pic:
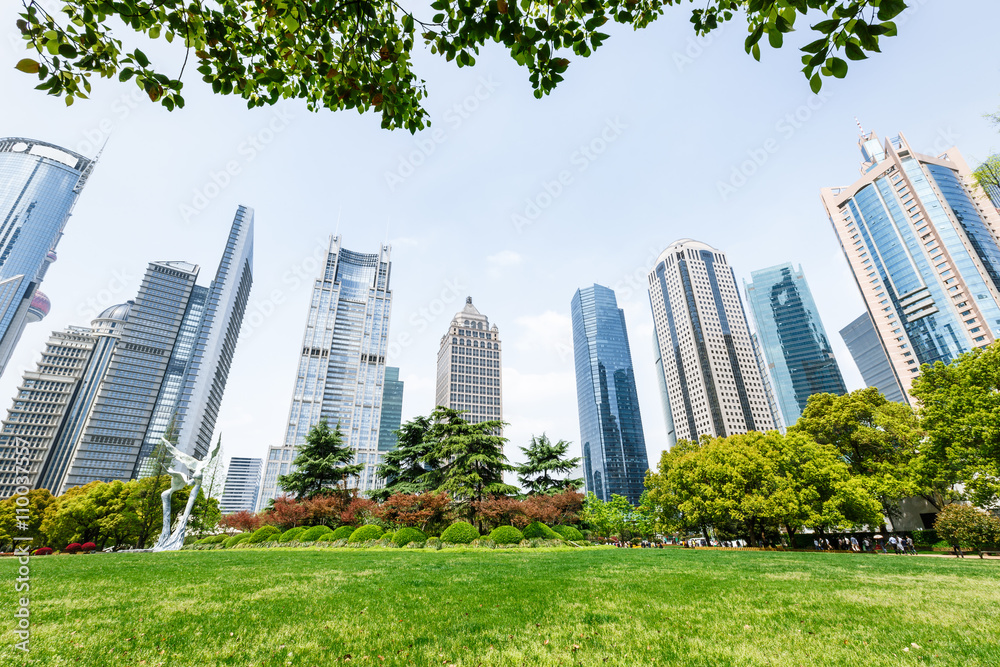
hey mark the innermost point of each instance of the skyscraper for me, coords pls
(713, 382)
(469, 367)
(792, 338)
(921, 240)
(341, 373)
(611, 437)
(242, 485)
(865, 347)
(169, 365)
(39, 185)
(772, 400)
(392, 410)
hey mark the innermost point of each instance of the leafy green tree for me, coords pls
(323, 463)
(960, 410)
(878, 439)
(968, 528)
(145, 504)
(359, 55)
(596, 515)
(546, 463)
(410, 466)
(24, 524)
(667, 489)
(472, 462)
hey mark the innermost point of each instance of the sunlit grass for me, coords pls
(523, 607)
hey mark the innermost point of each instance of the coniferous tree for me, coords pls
(545, 462)
(409, 468)
(323, 464)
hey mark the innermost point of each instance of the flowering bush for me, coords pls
(43, 551)
(73, 548)
(87, 547)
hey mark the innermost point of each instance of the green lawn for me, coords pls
(524, 607)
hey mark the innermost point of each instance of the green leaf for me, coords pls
(27, 65)
(854, 52)
(816, 83)
(141, 58)
(67, 51)
(838, 67)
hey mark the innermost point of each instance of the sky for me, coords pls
(516, 202)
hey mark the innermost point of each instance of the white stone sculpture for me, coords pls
(172, 541)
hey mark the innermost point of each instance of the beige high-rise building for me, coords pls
(922, 241)
(468, 368)
(710, 372)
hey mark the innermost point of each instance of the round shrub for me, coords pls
(218, 539)
(263, 534)
(506, 535)
(434, 543)
(387, 535)
(343, 533)
(569, 533)
(231, 542)
(73, 548)
(406, 535)
(538, 530)
(460, 532)
(43, 551)
(87, 547)
(365, 534)
(314, 533)
(291, 535)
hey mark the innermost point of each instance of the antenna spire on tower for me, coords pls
(860, 129)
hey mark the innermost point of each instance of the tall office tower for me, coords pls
(169, 365)
(341, 372)
(392, 410)
(792, 339)
(39, 185)
(469, 365)
(992, 169)
(921, 240)
(661, 380)
(765, 376)
(242, 485)
(41, 403)
(865, 347)
(713, 382)
(611, 437)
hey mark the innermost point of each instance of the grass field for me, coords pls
(523, 607)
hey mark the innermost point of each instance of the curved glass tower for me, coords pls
(39, 184)
(614, 448)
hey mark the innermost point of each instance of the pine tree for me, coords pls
(472, 462)
(322, 464)
(409, 468)
(544, 461)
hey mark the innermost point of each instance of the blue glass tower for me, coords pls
(39, 185)
(792, 338)
(614, 448)
(392, 410)
(866, 349)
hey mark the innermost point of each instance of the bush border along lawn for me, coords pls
(460, 532)
(365, 534)
(264, 534)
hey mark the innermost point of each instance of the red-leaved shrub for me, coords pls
(87, 547)
(426, 511)
(73, 548)
(43, 551)
(241, 522)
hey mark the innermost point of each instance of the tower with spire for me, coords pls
(469, 366)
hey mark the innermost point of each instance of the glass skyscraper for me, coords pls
(792, 338)
(242, 485)
(470, 367)
(714, 385)
(39, 185)
(865, 347)
(611, 436)
(341, 373)
(921, 240)
(392, 410)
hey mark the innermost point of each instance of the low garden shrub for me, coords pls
(343, 533)
(925, 538)
(434, 543)
(291, 535)
(406, 535)
(569, 533)
(314, 533)
(460, 532)
(365, 534)
(263, 534)
(388, 535)
(87, 547)
(415, 545)
(231, 542)
(538, 530)
(43, 551)
(506, 535)
(73, 548)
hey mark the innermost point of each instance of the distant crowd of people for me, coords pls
(898, 545)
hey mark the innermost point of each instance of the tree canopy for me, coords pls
(545, 466)
(406, 468)
(322, 464)
(358, 54)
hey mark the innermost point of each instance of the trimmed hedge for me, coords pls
(315, 533)
(231, 542)
(569, 533)
(213, 539)
(264, 534)
(343, 533)
(292, 534)
(460, 532)
(43, 551)
(365, 534)
(387, 535)
(73, 548)
(536, 530)
(506, 535)
(406, 535)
